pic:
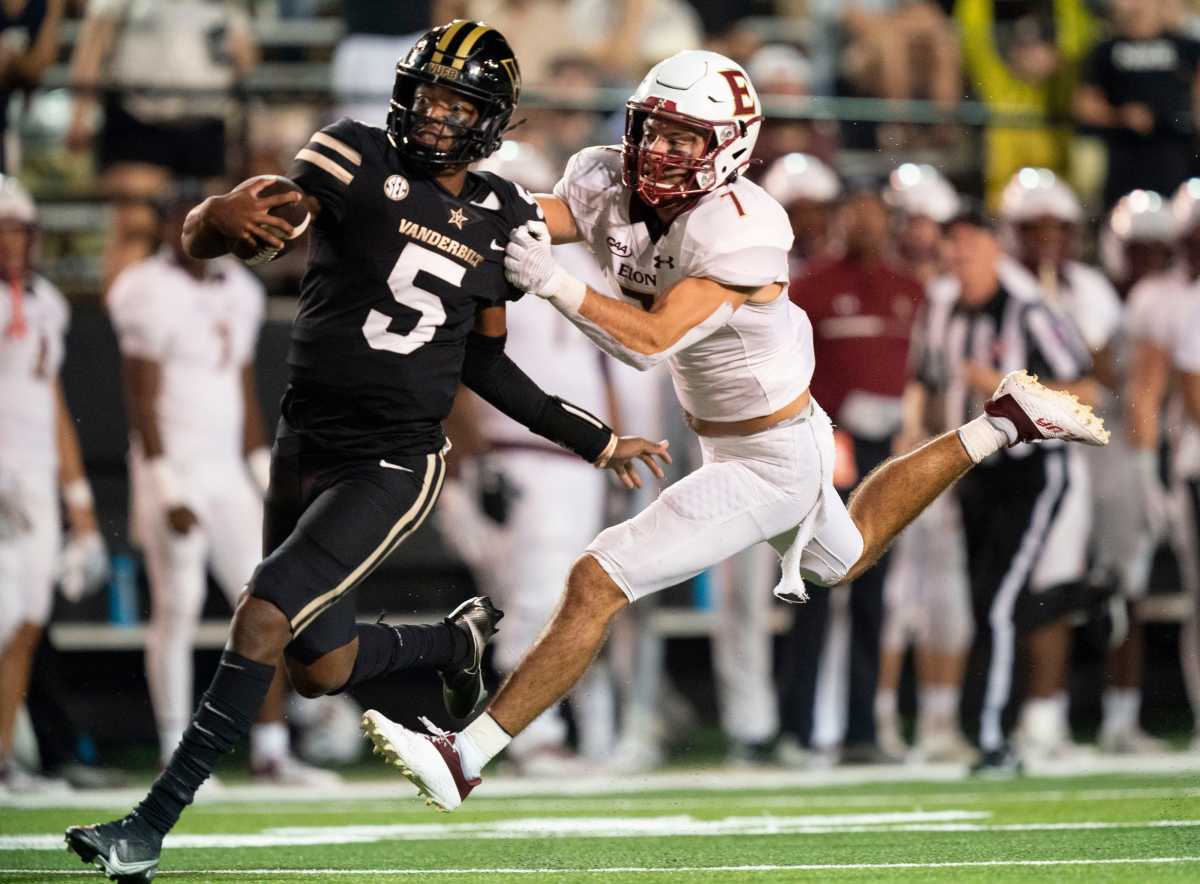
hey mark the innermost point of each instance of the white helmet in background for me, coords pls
(15, 202)
(1037, 193)
(1141, 216)
(921, 191)
(801, 176)
(703, 90)
(522, 163)
(1185, 206)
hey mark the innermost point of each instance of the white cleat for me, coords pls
(428, 761)
(1039, 413)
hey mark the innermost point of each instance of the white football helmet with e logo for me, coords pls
(704, 91)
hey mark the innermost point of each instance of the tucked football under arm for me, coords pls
(488, 371)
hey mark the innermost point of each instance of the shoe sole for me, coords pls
(89, 854)
(382, 746)
(1092, 430)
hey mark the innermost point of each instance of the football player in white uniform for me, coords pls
(699, 254)
(198, 466)
(927, 593)
(39, 458)
(1161, 308)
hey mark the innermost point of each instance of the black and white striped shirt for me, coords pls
(1016, 329)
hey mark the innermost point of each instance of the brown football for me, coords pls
(294, 213)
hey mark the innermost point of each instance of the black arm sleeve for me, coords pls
(499, 381)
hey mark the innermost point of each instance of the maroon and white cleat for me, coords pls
(1039, 413)
(429, 761)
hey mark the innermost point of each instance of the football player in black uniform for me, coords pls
(404, 296)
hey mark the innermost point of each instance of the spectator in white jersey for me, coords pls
(1160, 310)
(700, 256)
(39, 460)
(1022, 508)
(199, 464)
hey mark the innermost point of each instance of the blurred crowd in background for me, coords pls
(937, 160)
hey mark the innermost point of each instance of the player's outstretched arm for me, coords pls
(560, 223)
(488, 371)
(217, 224)
(689, 312)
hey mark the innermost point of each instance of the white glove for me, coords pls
(530, 266)
(1151, 493)
(84, 566)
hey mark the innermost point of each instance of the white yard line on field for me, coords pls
(708, 780)
(637, 870)
(957, 822)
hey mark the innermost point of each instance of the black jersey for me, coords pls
(397, 270)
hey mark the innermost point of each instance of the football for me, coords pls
(294, 213)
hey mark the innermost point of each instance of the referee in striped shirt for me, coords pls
(1025, 510)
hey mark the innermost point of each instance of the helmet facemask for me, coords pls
(471, 142)
(667, 179)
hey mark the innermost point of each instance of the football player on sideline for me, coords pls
(700, 254)
(39, 460)
(404, 295)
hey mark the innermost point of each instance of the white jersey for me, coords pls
(555, 355)
(1092, 303)
(761, 358)
(201, 332)
(1161, 308)
(32, 333)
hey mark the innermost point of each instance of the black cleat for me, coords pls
(125, 850)
(462, 687)
(998, 764)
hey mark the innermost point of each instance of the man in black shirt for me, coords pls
(1139, 88)
(404, 296)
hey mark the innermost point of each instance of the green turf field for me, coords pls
(1111, 828)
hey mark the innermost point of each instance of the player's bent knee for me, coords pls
(260, 630)
(590, 588)
(326, 675)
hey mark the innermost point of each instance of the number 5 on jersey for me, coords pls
(402, 281)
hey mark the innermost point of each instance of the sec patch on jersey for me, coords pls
(293, 213)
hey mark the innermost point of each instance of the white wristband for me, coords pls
(259, 463)
(166, 483)
(566, 291)
(77, 494)
(606, 455)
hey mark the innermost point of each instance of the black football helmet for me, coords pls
(473, 60)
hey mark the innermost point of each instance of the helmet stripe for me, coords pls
(464, 47)
(444, 43)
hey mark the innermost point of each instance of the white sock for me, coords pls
(1120, 709)
(479, 742)
(885, 704)
(985, 435)
(268, 743)
(937, 709)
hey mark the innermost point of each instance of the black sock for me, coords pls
(383, 649)
(224, 716)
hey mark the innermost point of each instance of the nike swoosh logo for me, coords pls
(496, 247)
(392, 466)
